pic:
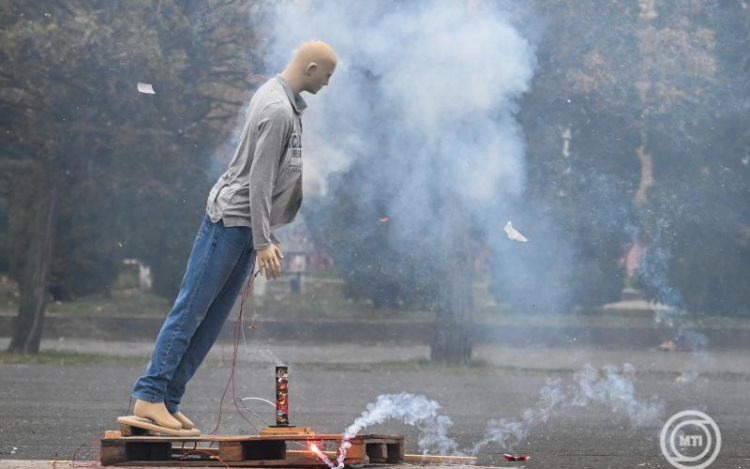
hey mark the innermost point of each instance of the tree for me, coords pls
(699, 256)
(617, 80)
(111, 167)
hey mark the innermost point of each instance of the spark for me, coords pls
(320, 454)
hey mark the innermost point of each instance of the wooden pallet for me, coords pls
(245, 451)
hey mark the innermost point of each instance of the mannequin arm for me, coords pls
(273, 128)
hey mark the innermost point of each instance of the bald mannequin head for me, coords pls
(311, 67)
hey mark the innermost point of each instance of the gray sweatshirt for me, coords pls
(262, 188)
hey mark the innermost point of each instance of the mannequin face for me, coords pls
(318, 75)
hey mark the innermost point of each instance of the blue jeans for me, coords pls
(216, 272)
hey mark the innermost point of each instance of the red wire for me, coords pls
(237, 335)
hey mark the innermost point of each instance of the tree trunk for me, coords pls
(452, 341)
(27, 333)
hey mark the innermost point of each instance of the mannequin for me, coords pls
(267, 166)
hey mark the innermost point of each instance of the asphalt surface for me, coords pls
(48, 411)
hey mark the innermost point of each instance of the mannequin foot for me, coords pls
(157, 412)
(186, 423)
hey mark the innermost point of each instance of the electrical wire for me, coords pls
(237, 332)
(259, 399)
(241, 401)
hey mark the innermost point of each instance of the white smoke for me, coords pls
(434, 81)
(611, 387)
(415, 410)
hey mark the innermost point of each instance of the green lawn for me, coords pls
(56, 357)
(323, 298)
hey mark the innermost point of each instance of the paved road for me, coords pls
(46, 411)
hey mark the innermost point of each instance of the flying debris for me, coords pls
(146, 88)
(384, 219)
(510, 457)
(514, 235)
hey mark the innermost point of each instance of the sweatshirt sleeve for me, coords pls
(272, 130)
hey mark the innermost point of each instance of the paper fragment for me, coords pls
(513, 234)
(146, 88)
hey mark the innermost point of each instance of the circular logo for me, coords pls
(690, 440)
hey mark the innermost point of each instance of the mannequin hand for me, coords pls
(268, 261)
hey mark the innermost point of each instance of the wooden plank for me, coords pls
(243, 450)
(212, 438)
(306, 454)
(269, 431)
(211, 462)
(437, 459)
(357, 451)
(112, 452)
(230, 450)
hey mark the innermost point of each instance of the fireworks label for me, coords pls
(282, 396)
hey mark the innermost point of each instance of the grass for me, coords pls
(129, 302)
(323, 298)
(55, 357)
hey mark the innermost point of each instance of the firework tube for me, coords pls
(282, 396)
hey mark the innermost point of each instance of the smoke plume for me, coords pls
(433, 81)
(423, 100)
(415, 410)
(611, 387)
